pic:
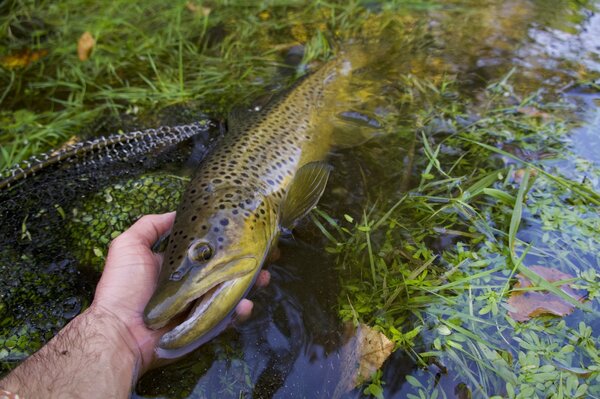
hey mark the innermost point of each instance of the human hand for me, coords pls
(100, 352)
(129, 280)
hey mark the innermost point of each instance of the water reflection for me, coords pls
(552, 46)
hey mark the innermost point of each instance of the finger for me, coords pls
(243, 310)
(263, 279)
(147, 230)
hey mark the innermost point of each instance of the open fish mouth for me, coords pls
(195, 309)
(209, 311)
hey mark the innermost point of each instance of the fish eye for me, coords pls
(201, 252)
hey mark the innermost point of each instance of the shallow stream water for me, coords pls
(292, 345)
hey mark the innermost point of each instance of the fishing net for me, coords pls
(60, 210)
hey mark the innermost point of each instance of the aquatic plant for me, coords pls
(434, 270)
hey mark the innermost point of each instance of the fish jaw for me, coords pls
(209, 315)
(172, 298)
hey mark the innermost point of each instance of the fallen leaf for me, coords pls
(85, 44)
(533, 112)
(22, 58)
(524, 305)
(196, 9)
(193, 7)
(363, 354)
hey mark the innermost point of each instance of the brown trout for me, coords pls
(267, 172)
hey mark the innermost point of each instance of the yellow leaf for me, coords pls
(363, 354)
(85, 44)
(22, 58)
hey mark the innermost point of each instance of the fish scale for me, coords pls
(265, 172)
(261, 155)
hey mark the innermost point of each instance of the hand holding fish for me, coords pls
(129, 279)
(104, 350)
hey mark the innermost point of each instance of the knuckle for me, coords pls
(115, 242)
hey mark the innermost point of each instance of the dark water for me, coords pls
(291, 347)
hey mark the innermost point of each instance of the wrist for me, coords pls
(92, 355)
(123, 343)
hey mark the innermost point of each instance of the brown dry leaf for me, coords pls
(22, 58)
(364, 353)
(197, 9)
(85, 44)
(527, 304)
(533, 112)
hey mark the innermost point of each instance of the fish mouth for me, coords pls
(192, 312)
(208, 312)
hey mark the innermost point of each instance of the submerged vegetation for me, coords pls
(434, 270)
(475, 180)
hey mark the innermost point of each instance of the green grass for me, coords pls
(151, 55)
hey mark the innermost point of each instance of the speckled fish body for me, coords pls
(266, 171)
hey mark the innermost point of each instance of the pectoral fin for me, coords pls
(353, 128)
(304, 193)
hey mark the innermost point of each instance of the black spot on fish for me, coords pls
(224, 222)
(194, 218)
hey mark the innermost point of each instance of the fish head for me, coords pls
(217, 246)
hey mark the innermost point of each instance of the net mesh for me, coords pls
(59, 212)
